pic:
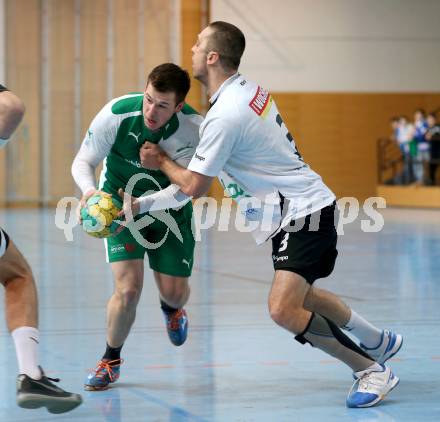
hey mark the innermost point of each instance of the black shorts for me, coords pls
(308, 245)
(3, 88)
(4, 242)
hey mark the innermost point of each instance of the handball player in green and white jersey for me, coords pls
(115, 136)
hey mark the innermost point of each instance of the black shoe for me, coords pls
(32, 394)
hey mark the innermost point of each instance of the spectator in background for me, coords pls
(405, 133)
(394, 127)
(432, 136)
(421, 152)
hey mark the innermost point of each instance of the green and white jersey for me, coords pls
(116, 135)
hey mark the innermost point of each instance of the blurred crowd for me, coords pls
(419, 143)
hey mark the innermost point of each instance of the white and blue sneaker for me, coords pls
(390, 344)
(371, 387)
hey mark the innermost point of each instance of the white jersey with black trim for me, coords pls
(244, 141)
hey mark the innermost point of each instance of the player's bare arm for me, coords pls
(191, 183)
(11, 112)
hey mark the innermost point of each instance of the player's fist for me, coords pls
(130, 209)
(150, 155)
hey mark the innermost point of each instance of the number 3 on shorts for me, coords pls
(283, 244)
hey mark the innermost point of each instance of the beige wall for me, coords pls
(19, 176)
(104, 48)
(338, 45)
(194, 17)
(65, 59)
(337, 133)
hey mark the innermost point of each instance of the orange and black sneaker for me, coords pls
(107, 371)
(177, 326)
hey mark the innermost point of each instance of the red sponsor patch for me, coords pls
(260, 101)
(130, 247)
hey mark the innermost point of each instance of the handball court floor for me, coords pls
(236, 365)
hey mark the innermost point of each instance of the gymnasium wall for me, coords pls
(339, 70)
(66, 59)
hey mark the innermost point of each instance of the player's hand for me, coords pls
(83, 200)
(130, 209)
(150, 155)
(82, 203)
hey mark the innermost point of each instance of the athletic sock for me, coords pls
(26, 340)
(368, 334)
(112, 353)
(167, 308)
(327, 336)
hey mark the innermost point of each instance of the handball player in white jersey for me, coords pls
(244, 141)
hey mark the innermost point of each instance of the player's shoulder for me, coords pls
(117, 109)
(189, 117)
(238, 96)
(242, 88)
(128, 103)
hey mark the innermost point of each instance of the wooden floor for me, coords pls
(236, 365)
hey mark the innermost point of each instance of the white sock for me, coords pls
(368, 334)
(375, 367)
(26, 341)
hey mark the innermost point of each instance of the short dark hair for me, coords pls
(229, 42)
(168, 77)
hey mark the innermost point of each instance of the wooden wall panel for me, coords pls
(93, 59)
(23, 77)
(337, 133)
(125, 46)
(191, 25)
(156, 30)
(61, 97)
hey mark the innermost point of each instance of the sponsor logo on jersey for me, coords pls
(250, 212)
(280, 258)
(89, 137)
(260, 102)
(134, 163)
(199, 157)
(130, 247)
(135, 136)
(117, 248)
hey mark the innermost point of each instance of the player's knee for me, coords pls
(278, 312)
(175, 292)
(129, 297)
(128, 294)
(283, 313)
(176, 297)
